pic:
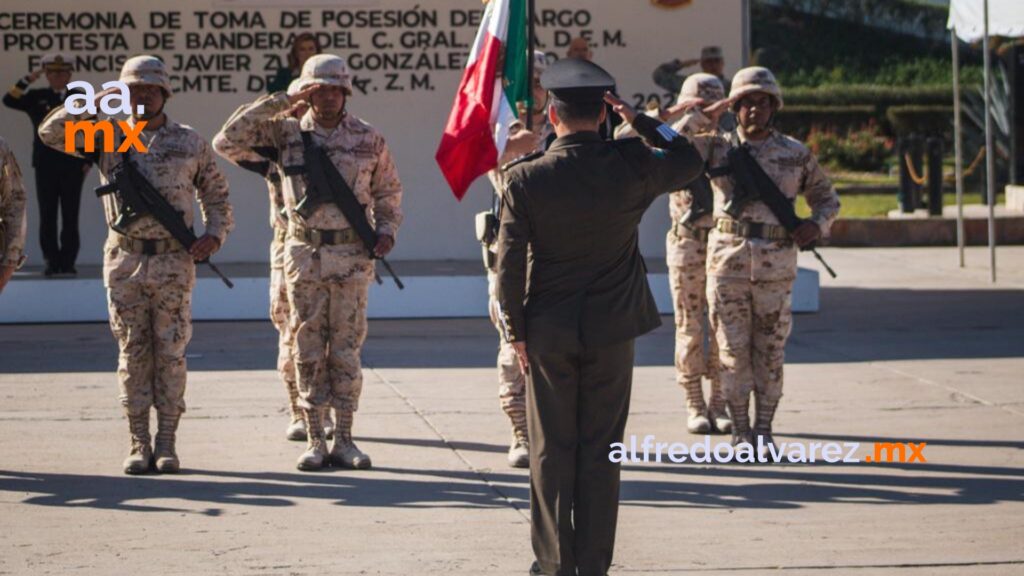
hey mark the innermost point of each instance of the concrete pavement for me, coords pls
(906, 347)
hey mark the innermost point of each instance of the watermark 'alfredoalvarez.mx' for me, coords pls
(649, 450)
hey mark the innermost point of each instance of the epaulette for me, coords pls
(523, 159)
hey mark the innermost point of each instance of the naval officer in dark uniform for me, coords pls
(59, 176)
(573, 293)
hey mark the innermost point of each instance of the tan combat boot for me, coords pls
(296, 430)
(740, 413)
(345, 453)
(141, 455)
(696, 411)
(764, 413)
(315, 456)
(328, 424)
(716, 409)
(164, 453)
(519, 451)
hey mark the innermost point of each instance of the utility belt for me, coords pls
(317, 238)
(147, 247)
(752, 229)
(680, 231)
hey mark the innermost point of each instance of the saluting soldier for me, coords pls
(59, 176)
(575, 209)
(752, 258)
(149, 275)
(686, 253)
(327, 267)
(280, 311)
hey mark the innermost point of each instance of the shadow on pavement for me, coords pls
(679, 485)
(854, 325)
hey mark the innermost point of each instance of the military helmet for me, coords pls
(147, 70)
(701, 85)
(326, 70)
(755, 79)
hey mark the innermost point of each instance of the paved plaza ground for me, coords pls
(907, 347)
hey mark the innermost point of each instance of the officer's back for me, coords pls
(583, 200)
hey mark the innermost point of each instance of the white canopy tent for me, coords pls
(973, 20)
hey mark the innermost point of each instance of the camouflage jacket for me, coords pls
(12, 209)
(796, 171)
(253, 162)
(357, 150)
(181, 165)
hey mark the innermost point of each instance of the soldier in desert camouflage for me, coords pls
(752, 260)
(327, 268)
(12, 215)
(511, 380)
(686, 255)
(150, 276)
(280, 312)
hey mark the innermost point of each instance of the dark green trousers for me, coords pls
(576, 407)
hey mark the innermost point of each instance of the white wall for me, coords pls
(436, 226)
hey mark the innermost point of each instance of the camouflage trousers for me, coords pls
(328, 290)
(688, 282)
(752, 320)
(152, 323)
(280, 316)
(690, 304)
(511, 381)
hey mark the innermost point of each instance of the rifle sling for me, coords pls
(324, 175)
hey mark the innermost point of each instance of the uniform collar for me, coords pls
(168, 123)
(755, 143)
(348, 124)
(575, 139)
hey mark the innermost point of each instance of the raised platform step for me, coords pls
(433, 289)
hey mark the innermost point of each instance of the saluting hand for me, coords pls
(620, 107)
(35, 75)
(204, 247)
(716, 110)
(524, 363)
(680, 108)
(303, 94)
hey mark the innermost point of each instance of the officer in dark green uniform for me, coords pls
(572, 317)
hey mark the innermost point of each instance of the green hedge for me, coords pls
(921, 120)
(925, 110)
(881, 97)
(798, 120)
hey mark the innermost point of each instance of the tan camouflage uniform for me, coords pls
(511, 381)
(327, 285)
(750, 281)
(150, 296)
(280, 311)
(686, 258)
(12, 210)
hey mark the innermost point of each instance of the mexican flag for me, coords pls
(485, 105)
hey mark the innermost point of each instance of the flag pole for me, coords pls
(529, 63)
